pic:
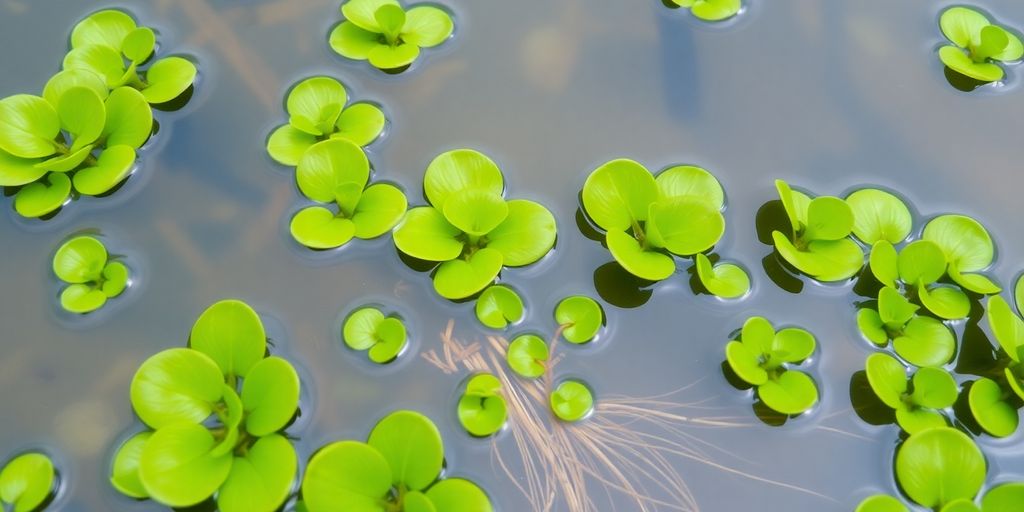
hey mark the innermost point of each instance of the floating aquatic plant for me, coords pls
(335, 173)
(571, 401)
(921, 340)
(818, 243)
(92, 276)
(499, 306)
(579, 318)
(386, 34)
(215, 411)
(397, 468)
(383, 337)
(469, 228)
(725, 280)
(939, 466)
(27, 482)
(919, 401)
(993, 406)
(763, 357)
(647, 220)
(528, 355)
(978, 44)
(711, 10)
(482, 409)
(1001, 498)
(968, 249)
(318, 110)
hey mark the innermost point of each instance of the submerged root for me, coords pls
(625, 450)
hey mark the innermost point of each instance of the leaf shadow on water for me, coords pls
(866, 404)
(210, 505)
(620, 288)
(977, 355)
(769, 416)
(177, 103)
(586, 227)
(962, 411)
(961, 82)
(416, 264)
(771, 216)
(696, 286)
(867, 285)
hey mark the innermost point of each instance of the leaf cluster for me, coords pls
(978, 45)
(91, 274)
(766, 359)
(388, 35)
(382, 337)
(711, 10)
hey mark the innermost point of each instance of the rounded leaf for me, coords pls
(894, 309)
(424, 233)
(460, 278)
(115, 279)
(319, 100)
(934, 388)
(921, 262)
(360, 329)
(458, 495)
(526, 235)
(1007, 327)
(15, 171)
(990, 408)
(881, 503)
(962, 25)
(129, 118)
(176, 466)
(415, 501)
(716, 10)
(528, 355)
(427, 26)
(791, 393)
(828, 218)
(270, 396)
(346, 475)
(104, 61)
(571, 401)
(261, 480)
(482, 416)
(483, 384)
(107, 27)
(114, 164)
(168, 78)
(457, 170)
(724, 280)
(360, 123)
(1003, 498)
(580, 317)
(884, 263)
(350, 41)
(174, 386)
(81, 298)
(412, 446)
(138, 44)
(758, 334)
(645, 264)
(43, 197)
(475, 212)
(947, 302)
(317, 227)
(688, 181)
(27, 481)
(792, 345)
(231, 333)
(745, 363)
(976, 283)
(872, 327)
(388, 57)
(939, 465)
(28, 126)
(498, 306)
(80, 260)
(685, 226)
(965, 242)
(914, 420)
(879, 215)
(287, 144)
(618, 195)
(70, 78)
(328, 165)
(926, 342)
(392, 338)
(125, 472)
(363, 12)
(379, 209)
(887, 378)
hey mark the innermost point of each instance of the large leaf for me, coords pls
(16, 171)
(990, 409)
(921, 262)
(457, 170)
(129, 118)
(328, 165)
(363, 12)
(231, 333)
(643, 263)
(828, 218)
(424, 233)
(261, 480)
(926, 342)
(107, 27)
(28, 126)
(618, 195)
(380, 208)
(44, 196)
(461, 278)
(793, 392)
(317, 227)
(270, 396)
(526, 234)
(426, 26)
(82, 114)
(693, 182)
(346, 475)
(474, 211)
(934, 388)
(939, 465)
(112, 167)
(353, 42)
(966, 243)
(879, 215)
(947, 302)
(412, 446)
(176, 466)
(1003, 498)
(102, 60)
(685, 226)
(70, 78)
(174, 386)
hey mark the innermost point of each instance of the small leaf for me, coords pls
(115, 279)
(129, 118)
(795, 203)
(884, 263)
(287, 144)
(715, 10)
(412, 445)
(461, 169)
(965, 242)
(71, 78)
(475, 212)
(976, 283)
(107, 27)
(320, 100)
(390, 19)
(346, 475)
(792, 345)
(758, 334)
(618, 195)
(317, 227)
(526, 234)
(380, 208)
(887, 378)
(425, 234)
(270, 396)
(27, 481)
(793, 392)
(1007, 327)
(645, 264)
(881, 503)
(991, 410)
(81, 299)
(962, 25)
(138, 44)
(174, 386)
(947, 302)
(415, 501)
(879, 215)
(939, 465)
(328, 165)
(690, 181)
(392, 339)
(571, 401)
(28, 126)
(921, 262)
(459, 278)
(685, 226)
(360, 123)
(528, 355)
(961, 505)
(483, 384)
(168, 78)
(125, 473)
(482, 416)
(498, 306)
(458, 495)
(176, 466)
(360, 329)
(745, 363)
(427, 26)
(955, 59)
(15, 171)
(113, 166)
(872, 327)
(916, 420)
(926, 342)
(362, 12)
(828, 218)
(44, 196)
(724, 280)
(102, 60)
(934, 388)
(894, 309)
(231, 333)
(350, 41)
(262, 479)
(581, 318)
(993, 41)
(80, 260)
(393, 57)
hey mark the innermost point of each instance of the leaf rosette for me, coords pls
(766, 359)
(978, 45)
(92, 277)
(387, 34)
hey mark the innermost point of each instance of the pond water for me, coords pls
(827, 95)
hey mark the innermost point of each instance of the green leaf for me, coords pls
(498, 306)
(1016, 383)
(792, 345)
(326, 166)
(745, 362)
(28, 126)
(955, 59)
(270, 396)
(925, 342)
(1003, 498)
(70, 78)
(758, 335)
(618, 195)
(262, 479)
(879, 215)
(687, 181)
(176, 466)
(174, 386)
(424, 233)
(724, 280)
(27, 481)
(108, 28)
(129, 118)
(991, 410)
(115, 279)
(715, 10)
(319, 100)
(138, 44)
(884, 263)
(872, 327)
(795, 203)
(411, 444)
(993, 40)
(287, 144)
(526, 234)
(475, 212)
(360, 329)
(962, 25)
(825, 260)
(916, 420)
(976, 283)
(894, 309)
(934, 388)
(15, 171)
(939, 465)
(231, 333)
(415, 501)
(881, 503)
(457, 170)
(392, 339)
(1018, 293)
(480, 415)
(101, 60)
(427, 26)
(581, 318)
(350, 41)
(168, 78)
(921, 262)
(1007, 327)
(1013, 50)
(571, 401)
(483, 384)
(80, 260)
(887, 378)
(81, 299)
(390, 19)
(791, 393)
(112, 167)
(317, 227)
(44, 196)
(66, 162)
(458, 495)
(363, 12)
(393, 57)
(346, 475)
(125, 473)
(965, 242)
(964, 505)
(828, 218)
(685, 226)
(528, 355)
(645, 264)
(947, 302)
(380, 208)
(360, 123)
(459, 278)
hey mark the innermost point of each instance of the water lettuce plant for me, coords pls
(918, 401)
(318, 110)
(397, 469)
(468, 227)
(499, 306)
(725, 280)
(482, 409)
(571, 401)
(916, 270)
(994, 404)
(214, 412)
(382, 337)
(335, 173)
(528, 355)
(978, 44)
(580, 318)
(1005, 497)
(92, 276)
(711, 10)
(921, 340)
(649, 219)
(388, 35)
(939, 466)
(818, 242)
(27, 482)
(764, 359)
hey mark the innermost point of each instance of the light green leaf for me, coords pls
(894, 309)
(691, 181)
(262, 479)
(991, 410)
(715, 10)
(363, 12)
(287, 144)
(270, 396)
(427, 26)
(962, 505)
(925, 342)
(317, 227)
(475, 212)
(934, 388)
(390, 19)
(168, 78)
(955, 59)
(879, 215)
(480, 415)
(580, 317)
(125, 473)
(457, 170)
(791, 393)
(460, 278)
(828, 218)
(685, 226)
(176, 466)
(881, 503)
(498, 306)
(526, 234)
(379, 209)
(415, 501)
(939, 465)
(825, 260)
(965, 242)
(138, 44)
(425, 234)
(884, 263)
(70, 78)
(393, 57)
(28, 126)
(129, 118)
(44, 196)
(231, 333)
(976, 283)
(645, 264)
(328, 165)
(350, 41)
(112, 167)
(412, 445)
(916, 420)
(80, 260)
(993, 40)
(872, 327)
(887, 378)
(66, 162)
(528, 355)
(319, 100)
(458, 495)
(484, 384)
(360, 123)
(724, 280)
(174, 386)
(360, 329)
(921, 262)
(391, 340)
(81, 298)
(962, 25)
(792, 345)
(947, 302)
(745, 362)
(101, 60)
(1018, 293)
(108, 28)
(1013, 50)
(1016, 383)
(1006, 326)
(115, 279)
(27, 481)
(758, 335)
(15, 171)
(1003, 498)
(571, 401)
(795, 203)
(618, 195)
(346, 475)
